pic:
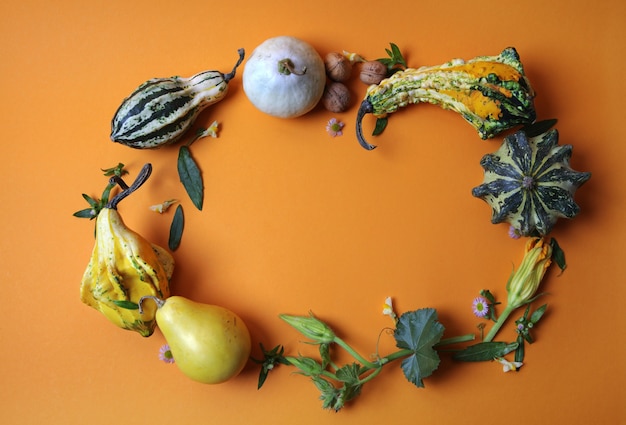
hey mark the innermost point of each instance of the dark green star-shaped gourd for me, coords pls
(529, 183)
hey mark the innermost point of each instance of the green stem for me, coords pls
(456, 340)
(354, 354)
(496, 326)
(371, 375)
(397, 355)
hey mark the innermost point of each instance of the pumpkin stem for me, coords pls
(231, 74)
(143, 175)
(365, 108)
(287, 67)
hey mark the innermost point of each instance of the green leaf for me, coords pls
(350, 373)
(329, 394)
(395, 61)
(484, 351)
(419, 331)
(86, 213)
(381, 124)
(129, 305)
(558, 255)
(325, 354)
(538, 314)
(519, 351)
(90, 200)
(118, 170)
(539, 127)
(176, 229)
(190, 176)
(270, 360)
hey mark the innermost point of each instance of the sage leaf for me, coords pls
(381, 124)
(484, 351)
(129, 305)
(539, 127)
(538, 314)
(86, 213)
(558, 255)
(419, 331)
(176, 229)
(190, 176)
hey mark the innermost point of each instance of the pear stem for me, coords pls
(143, 175)
(159, 302)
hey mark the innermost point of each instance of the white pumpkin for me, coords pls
(284, 77)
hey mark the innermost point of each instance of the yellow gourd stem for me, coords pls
(143, 175)
(365, 108)
(159, 302)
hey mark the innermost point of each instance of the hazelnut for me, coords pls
(336, 97)
(373, 72)
(338, 67)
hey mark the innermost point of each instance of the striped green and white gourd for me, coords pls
(161, 110)
(528, 182)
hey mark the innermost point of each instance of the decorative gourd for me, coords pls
(284, 77)
(161, 110)
(529, 183)
(490, 92)
(124, 267)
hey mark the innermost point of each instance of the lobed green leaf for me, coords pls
(419, 331)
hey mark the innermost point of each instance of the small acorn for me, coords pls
(336, 97)
(338, 67)
(373, 72)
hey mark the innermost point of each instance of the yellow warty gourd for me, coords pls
(124, 267)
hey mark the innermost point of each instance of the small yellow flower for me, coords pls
(353, 57)
(212, 130)
(204, 132)
(508, 366)
(524, 282)
(161, 208)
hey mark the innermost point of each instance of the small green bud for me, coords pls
(311, 327)
(306, 365)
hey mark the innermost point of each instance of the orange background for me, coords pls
(295, 220)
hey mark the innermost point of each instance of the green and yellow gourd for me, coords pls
(491, 92)
(161, 110)
(124, 267)
(528, 182)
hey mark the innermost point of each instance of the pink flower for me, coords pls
(334, 127)
(514, 233)
(480, 306)
(165, 354)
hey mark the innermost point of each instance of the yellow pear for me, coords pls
(209, 343)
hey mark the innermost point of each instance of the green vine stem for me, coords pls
(501, 319)
(397, 354)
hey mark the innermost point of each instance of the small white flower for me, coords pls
(388, 309)
(161, 208)
(212, 130)
(206, 132)
(508, 366)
